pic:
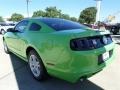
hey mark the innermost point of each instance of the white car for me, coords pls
(4, 27)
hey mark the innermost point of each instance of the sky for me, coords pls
(71, 7)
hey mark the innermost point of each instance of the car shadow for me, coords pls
(25, 80)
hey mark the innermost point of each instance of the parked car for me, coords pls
(5, 26)
(88, 25)
(114, 29)
(94, 27)
(58, 47)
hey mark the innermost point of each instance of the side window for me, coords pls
(34, 27)
(21, 26)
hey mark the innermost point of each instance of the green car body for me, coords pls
(59, 59)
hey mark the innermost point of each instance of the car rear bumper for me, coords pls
(79, 64)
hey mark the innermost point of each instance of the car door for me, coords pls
(18, 38)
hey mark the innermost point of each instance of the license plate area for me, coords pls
(105, 56)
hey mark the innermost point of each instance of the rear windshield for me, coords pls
(61, 24)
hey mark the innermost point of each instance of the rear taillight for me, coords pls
(89, 43)
(81, 44)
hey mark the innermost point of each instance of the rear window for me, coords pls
(62, 24)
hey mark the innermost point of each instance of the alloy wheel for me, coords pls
(34, 65)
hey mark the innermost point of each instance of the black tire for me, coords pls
(6, 47)
(42, 70)
(3, 31)
(115, 33)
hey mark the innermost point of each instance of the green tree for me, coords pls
(73, 19)
(88, 15)
(1, 19)
(64, 16)
(16, 17)
(81, 20)
(52, 12)
(39, 13)
(49, 12)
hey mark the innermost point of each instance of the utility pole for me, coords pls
(98, 6)
(27, 1)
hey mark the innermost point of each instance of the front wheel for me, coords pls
(3, 31)
(6, 47)
(36, 66)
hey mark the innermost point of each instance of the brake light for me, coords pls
(89, 43)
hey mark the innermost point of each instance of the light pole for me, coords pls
(27, 1)
(98, 6)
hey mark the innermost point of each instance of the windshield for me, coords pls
(62, 24)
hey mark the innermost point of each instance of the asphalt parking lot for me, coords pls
(15, 75)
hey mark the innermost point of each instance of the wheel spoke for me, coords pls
(34, 65)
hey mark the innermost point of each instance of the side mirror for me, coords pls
(12, 30)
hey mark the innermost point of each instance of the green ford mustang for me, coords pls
(58, 47)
